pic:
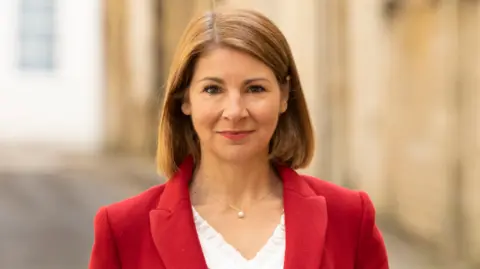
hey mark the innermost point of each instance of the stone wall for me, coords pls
(469, 128)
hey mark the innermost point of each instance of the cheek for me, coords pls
(267, 117)
(202, 118)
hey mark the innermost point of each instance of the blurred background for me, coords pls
(393, 87)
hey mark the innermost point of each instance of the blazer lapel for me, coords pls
(305, 222)
(172, 225)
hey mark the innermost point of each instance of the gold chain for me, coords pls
(241, 212)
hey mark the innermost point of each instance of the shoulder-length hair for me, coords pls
(292, 143)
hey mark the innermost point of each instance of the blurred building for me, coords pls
(51, 74)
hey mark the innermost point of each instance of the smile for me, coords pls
(235, 135)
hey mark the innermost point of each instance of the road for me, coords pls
(46, 219)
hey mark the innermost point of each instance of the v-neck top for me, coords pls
(221, 255)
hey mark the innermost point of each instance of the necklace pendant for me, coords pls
(241, 214)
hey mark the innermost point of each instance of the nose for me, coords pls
(234, 107)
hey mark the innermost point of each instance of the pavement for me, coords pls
(46, 215)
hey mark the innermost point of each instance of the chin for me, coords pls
(238, 155)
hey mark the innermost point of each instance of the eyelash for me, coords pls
(216, 89)
(258, 88)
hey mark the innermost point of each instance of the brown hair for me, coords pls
(248, 31)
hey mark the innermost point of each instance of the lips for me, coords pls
(235, 135)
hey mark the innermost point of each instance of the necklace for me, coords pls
(240, 212)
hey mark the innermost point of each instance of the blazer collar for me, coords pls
(174, 233)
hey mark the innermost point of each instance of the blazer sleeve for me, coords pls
(104, 252)
(371, 251)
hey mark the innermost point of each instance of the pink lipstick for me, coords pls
(235, 135)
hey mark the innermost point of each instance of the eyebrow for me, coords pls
(221, 81)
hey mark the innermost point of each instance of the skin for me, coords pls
(235, 101)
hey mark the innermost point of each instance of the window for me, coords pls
(37, 35)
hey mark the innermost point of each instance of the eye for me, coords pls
(256, 89)
(211, 89)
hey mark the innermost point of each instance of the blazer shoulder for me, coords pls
(326, 188)
(339, 199)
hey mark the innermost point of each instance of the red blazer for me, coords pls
(326, 227)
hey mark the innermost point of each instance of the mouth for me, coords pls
(235, 135)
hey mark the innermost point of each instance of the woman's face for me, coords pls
(234, 101)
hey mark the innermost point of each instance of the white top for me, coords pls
(221, 255)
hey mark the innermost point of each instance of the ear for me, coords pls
(284, 99)
(186, 108)
(283, 106)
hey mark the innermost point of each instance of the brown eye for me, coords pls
(212, 89)
(256, 89)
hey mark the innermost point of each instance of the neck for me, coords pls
(236, 184)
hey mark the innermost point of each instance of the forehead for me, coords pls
(225, 62)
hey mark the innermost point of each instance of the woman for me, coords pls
(234, 127)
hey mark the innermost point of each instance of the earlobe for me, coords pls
(285, 96)
(186, 109)
(284, 106)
